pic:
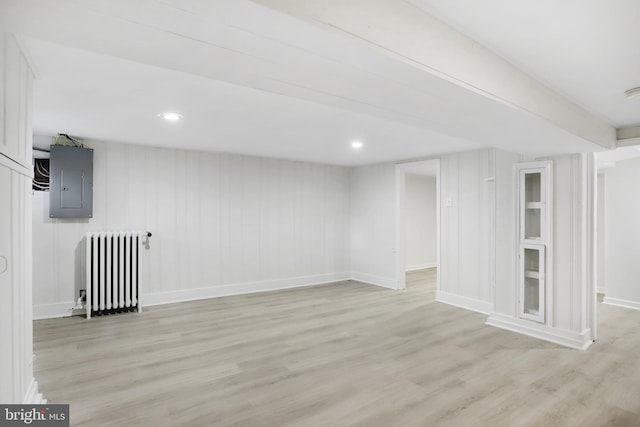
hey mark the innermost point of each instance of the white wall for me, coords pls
(569, 287)
(222, 224)
(506, 248)
(478, 252)
(226, 224)
(374, 225)
(478, 249)
(622, 233)
(465, 222)
(601, 230)
(420, 222)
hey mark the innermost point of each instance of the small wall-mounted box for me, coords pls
(71, 180)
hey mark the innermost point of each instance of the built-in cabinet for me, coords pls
(534, 235)
(16, 94)
(16, 331)
(542, 250)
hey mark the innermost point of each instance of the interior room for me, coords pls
(300, 213)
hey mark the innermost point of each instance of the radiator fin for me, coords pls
(112, 272)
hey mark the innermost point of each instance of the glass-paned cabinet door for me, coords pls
(532, 282)
(533, 204)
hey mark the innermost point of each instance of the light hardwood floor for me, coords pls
(345, 354)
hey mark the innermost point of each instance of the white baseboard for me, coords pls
(50, 311)
(415, 267)
(385, 282)
(635, 305)
(64, 309)
(159, 298)
(32, 396)
(577, 340)
(601, 290)
(472, 304)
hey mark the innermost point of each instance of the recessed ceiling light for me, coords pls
(633, 93)
(356, 145)
(172, 117)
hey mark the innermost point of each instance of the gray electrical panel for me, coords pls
(71, 180)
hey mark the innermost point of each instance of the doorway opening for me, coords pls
(617, 227)
(418, 238)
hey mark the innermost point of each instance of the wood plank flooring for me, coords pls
(345, 354)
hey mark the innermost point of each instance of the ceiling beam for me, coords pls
(628, 136)
(408, 33)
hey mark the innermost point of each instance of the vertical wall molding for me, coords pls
(491, 182)
(589, 249)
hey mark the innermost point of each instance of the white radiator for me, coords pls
(112, 272)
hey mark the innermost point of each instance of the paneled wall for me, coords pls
(478, 263)
(567, 274)
(17, 384)
(568, 318)
(420, 216)
(466, 229)
(227, 224)
(222, 224)
(506, 248)
(374, 224)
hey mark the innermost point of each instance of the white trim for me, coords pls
(415, 267)
(159, 298)
(50, 311)
(32, 396)
(627, 142)
(601, 290)
(27, 56)
(385, 282)
(628, 136)
(401, 268)
(577, 340)
(634, 305)
(65, 309)
(467, 303)
(493, 207)
(438, 225)
(15, 166)
(589, 259)
(399, 229)
(546, 169)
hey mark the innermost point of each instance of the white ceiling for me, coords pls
(118, 100)
(586, 50)
(254, 81)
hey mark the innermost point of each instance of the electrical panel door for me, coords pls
(71, 180)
